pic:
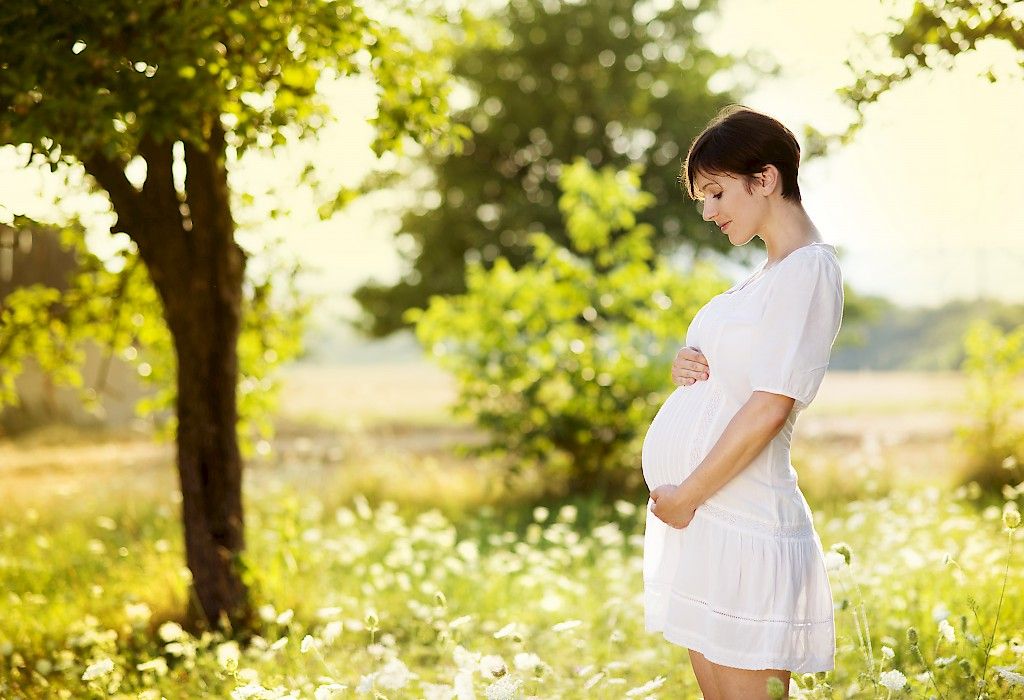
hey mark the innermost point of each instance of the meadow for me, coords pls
(384, 565)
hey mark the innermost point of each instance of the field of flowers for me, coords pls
(384, 567)
(536, 601)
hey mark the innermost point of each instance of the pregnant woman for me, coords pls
(733, 568)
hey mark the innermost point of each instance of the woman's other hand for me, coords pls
(672, 506)
(689, 366)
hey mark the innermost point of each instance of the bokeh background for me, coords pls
(468, 267)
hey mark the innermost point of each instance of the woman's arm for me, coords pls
(747, 434)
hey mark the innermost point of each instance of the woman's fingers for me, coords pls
(689, 366)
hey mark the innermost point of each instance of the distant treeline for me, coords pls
(917, 338)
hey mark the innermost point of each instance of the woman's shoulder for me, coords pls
(812, 259)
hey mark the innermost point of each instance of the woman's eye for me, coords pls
(718, 196)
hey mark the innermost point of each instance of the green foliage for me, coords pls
(114, 304)
(566, 359)
(927, 37)
(99, 76)
(616, 82)
(994, 439)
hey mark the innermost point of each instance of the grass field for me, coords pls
(385, 564)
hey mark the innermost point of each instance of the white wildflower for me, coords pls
(171, 632)
(505, 688)
(946, 630)
(493, 665)
(526, 661)
(395, 675)
(566, 625)
(540, 514)
(285, 617)
(893, 680)
(267, 612)
(465, 659)
(307, 644)
(460, 621)
(887, 652)
(328, 691)
(157, 665)
(250, 691)
(228, 655)
(106, 523)
(646, 687)
(366, 683)
(464, 685)
(1011, 676)
(138, 614)
(332, 631)
(940, 612)
(512, 629)
(438, 691)
(593, 680)
(834, 561)
(98, 669)
(625, 508)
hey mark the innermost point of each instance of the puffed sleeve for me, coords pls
(793, 341)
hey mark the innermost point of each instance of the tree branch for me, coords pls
(126, 199)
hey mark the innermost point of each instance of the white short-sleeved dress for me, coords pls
(745, 582)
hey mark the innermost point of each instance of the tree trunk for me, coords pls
(205, 322)
(186, 240)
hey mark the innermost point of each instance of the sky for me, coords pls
(923, 205)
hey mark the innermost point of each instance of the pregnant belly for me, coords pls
(677, 439)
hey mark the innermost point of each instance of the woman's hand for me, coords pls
(672, 505)
(689, 366)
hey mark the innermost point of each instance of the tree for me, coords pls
(187, 87)
(614, 81)
(929, 37)
(563, 360)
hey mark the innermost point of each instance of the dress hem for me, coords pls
(734, 659)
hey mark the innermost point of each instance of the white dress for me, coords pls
(745, 582)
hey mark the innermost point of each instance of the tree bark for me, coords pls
(187, 243)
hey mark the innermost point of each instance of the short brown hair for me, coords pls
(742, 141)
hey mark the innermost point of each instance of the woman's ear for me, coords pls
(768, 179)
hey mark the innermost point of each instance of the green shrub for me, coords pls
(565, 361)
(993, 440)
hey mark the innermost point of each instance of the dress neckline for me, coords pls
(765, 267)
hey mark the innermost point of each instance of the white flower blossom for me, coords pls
(395, 675)
(947, 631)
(438, 691)
(505, 688)
(464, 685)
(526, 661)
(171, 632)
(228, 655)
(493, 665)
(893, 680)
(646, 687)
(328, 691)
(98, 669)
(567, 625)
(158, 665)
(834, 561)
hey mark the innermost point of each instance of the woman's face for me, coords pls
(727, 203)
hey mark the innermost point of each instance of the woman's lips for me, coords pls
(723, 226)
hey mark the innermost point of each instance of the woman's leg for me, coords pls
(744, 684)
(705, 676)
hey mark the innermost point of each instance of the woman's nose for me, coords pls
(707, 211)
